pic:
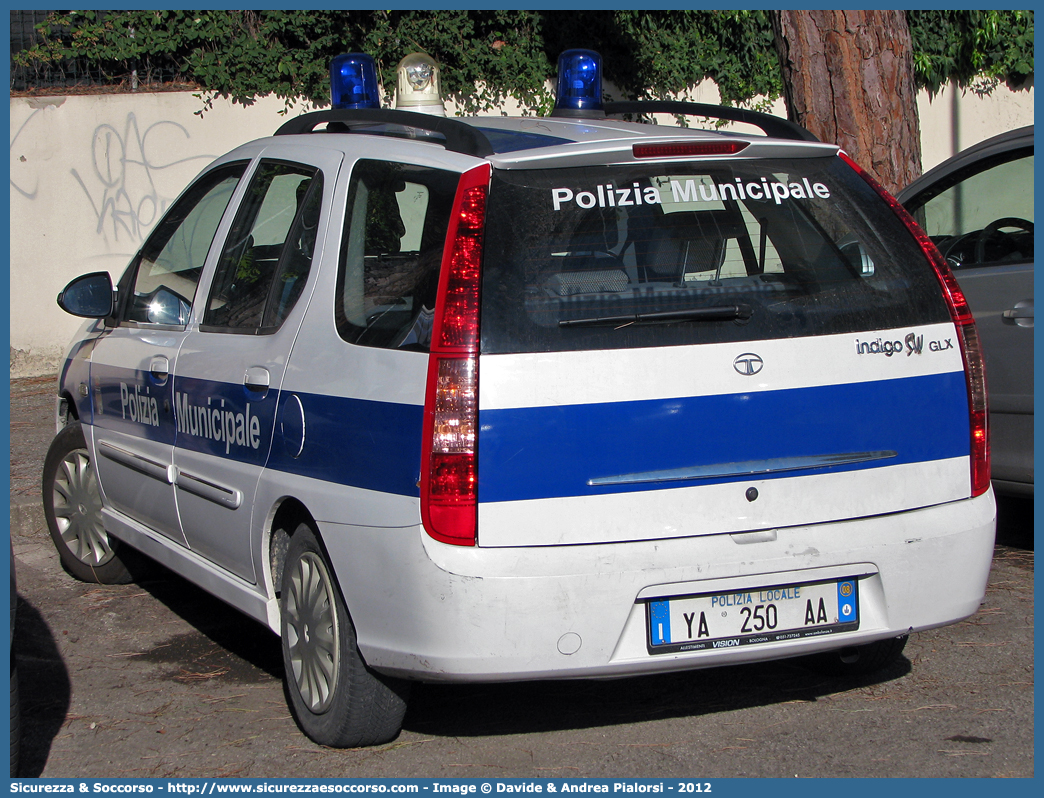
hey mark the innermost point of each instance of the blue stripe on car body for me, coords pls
(133, 402)
(550, 452)
(363, 443)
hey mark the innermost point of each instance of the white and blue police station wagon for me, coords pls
(496, 399)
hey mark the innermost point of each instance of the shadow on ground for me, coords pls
(43, 687)
(224, 639)
(531, 707)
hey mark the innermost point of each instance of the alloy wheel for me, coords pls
(77, 509)
(312, 632)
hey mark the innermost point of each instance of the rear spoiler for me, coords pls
(774, 126)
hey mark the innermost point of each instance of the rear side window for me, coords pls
(391, 251)
(701, 252)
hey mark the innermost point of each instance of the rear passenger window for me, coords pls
(268, 253)
(391, 250)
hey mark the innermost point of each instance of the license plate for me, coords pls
(752, 617)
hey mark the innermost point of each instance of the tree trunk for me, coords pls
(848, 78)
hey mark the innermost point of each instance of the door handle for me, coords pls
(1021, 314)
(159, 367)
(1018, 313)
(257, 379)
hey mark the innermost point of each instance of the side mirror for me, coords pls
(89, 296)
(166, 307)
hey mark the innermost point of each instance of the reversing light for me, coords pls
(967, 337)
(687, 149)
(419, 85)
(579, 84)
(353, 82)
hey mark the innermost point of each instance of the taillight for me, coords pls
(967, 334)
(449, 466)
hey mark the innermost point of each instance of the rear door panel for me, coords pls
(1007, 344)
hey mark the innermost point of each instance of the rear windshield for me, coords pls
(706, 252)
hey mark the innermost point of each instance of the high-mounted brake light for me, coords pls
(579, 91)
(419, 85)
(353, 82)
(967, 334)
(449, 465)
(686, 149)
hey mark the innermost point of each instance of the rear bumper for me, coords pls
(471, 614)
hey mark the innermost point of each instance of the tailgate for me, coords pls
(646, 443)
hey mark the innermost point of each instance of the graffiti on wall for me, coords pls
(123, 180)
(121, 184)
(25, 191)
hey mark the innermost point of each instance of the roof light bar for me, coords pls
(353, 82)
(579, 91)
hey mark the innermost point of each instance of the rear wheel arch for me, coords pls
(287, 514)
(288, 517)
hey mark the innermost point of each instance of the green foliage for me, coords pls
(656, 53)
(488, 55)
(975, 48)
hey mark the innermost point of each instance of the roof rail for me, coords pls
(772, 125)
(459, 137)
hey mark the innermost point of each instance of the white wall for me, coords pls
(954, 119)
(90, 175)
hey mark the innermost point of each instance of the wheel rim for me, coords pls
(77, 510)
(312, 632)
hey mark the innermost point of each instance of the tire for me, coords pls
(334, 697)
(72, 507)
(859, 660)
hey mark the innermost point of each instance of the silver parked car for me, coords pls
(978, 209)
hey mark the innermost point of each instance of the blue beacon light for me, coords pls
(579, 84)
(353, 81)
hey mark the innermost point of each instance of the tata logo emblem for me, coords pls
(748, 364)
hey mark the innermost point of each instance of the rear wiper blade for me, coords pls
(717, 313)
